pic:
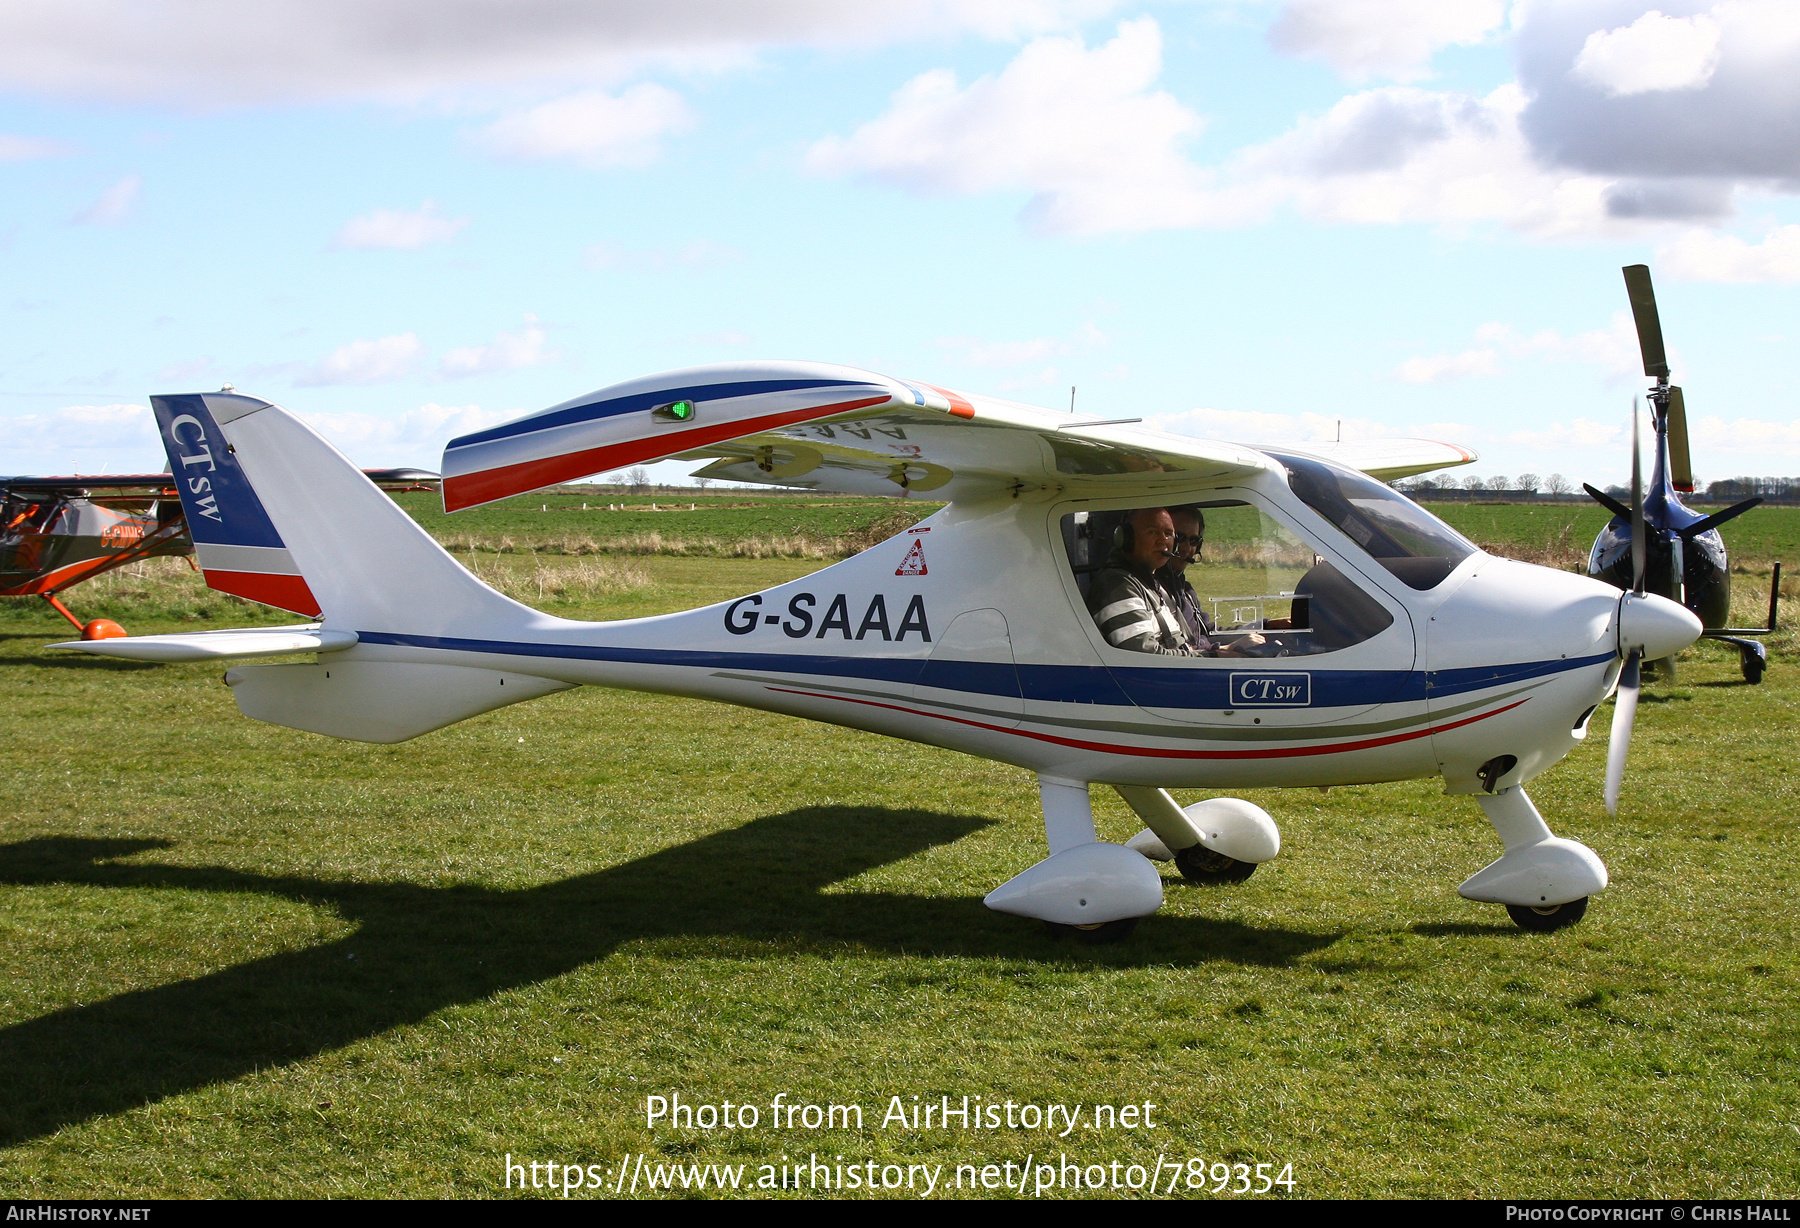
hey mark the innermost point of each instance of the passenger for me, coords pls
(1127, 602)
(1190, 535)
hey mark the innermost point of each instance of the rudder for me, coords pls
(282, 517)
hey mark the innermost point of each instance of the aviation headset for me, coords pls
(1125, 536)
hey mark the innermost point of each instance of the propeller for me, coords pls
(1656, 366)
(1681, 465)
(1626, 703)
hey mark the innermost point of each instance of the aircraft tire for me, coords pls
(1544, 920)
(1200, 864)
(1098, 935)
(1753, 667)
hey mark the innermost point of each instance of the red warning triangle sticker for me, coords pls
(914, 562)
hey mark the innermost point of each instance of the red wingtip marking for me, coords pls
(959, 405)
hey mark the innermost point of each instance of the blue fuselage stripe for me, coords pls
(1171, 687)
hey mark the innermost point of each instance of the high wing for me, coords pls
(1387, 460)
(839, 429)
(828, 428)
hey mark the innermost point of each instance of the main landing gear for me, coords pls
(1097, 892)
(1201, 865)
(1543, 880)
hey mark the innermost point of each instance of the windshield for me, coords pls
(1417, 547)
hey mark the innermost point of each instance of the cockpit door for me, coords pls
(1334, 645)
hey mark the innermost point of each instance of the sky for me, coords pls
(1256, 220)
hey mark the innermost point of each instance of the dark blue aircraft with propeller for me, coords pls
(1658, 544)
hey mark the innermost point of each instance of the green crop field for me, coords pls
(1754, 540)
(685, 516)
(239, 960)
(1559, 533)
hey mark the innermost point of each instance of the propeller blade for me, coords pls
(1624, 716)
(1607, 501)
(1681, 469)
(1649, 325)
(1718, 518)
(1639, 547)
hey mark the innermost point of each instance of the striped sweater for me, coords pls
(1133, 612)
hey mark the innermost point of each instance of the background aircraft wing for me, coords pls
(829, 428)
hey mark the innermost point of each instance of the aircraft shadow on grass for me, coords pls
(417, 949)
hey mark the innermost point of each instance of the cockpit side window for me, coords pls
(1418, 548)
(1214, 579)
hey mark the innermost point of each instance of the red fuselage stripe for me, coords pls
(1280, 752)
(490, 484)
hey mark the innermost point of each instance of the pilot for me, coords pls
(1128, 603)
(1190, 535)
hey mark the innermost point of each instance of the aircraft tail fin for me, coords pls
(280, 516)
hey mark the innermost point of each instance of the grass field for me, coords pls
(239, 960)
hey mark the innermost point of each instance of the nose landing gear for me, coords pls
(1545, 919)
(1543, 880)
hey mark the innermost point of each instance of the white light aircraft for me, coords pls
(1356, 638)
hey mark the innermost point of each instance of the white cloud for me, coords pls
(1084, 131)
(1444, 368)
(1578, 433)
(507, 352)
(1250, 426)
(1400, 154)
(200, 53)
(976, 352)
(27, 148)
(114, 206)
(123, 438)
(1614, 349)
(695, 254)
(1382, 38)
(1100, 148)
(592, 128)
(1757, 438)
(416, 437)
(399, 228)
(80, 433)
(1619, 91)
(1652, 53)
(366, 362)
(1703, 256)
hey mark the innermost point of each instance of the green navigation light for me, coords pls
(674, 411)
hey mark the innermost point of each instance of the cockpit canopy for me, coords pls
(1418, 548)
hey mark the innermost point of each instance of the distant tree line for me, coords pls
(1556, 485)
(1744, 488)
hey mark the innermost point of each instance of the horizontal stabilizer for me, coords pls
(377, 701)
(218, 645)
